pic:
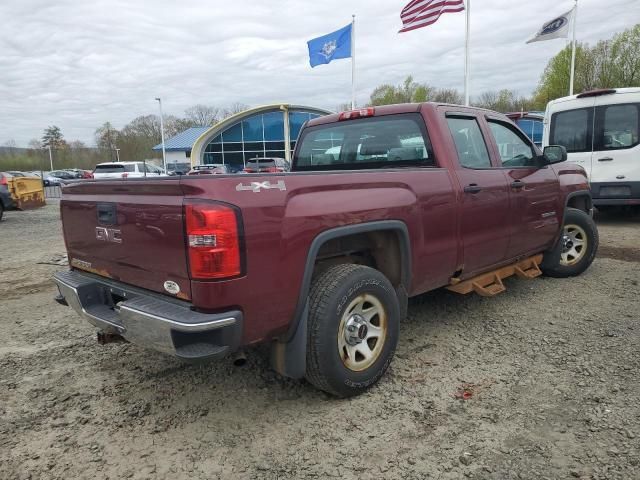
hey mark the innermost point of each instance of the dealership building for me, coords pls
(266, 131)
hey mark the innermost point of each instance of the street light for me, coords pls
(164, 154)
(117, 154)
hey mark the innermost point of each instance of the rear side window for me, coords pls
(470, 144)
(617, 127)
(109, 168)
(572, 129)
(377, 142)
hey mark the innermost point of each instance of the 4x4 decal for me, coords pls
(257, 186)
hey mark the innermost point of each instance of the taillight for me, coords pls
(247, 170)
(213, 241)
(351, 114)
(3, 181)
(272, 170)
(125, 175)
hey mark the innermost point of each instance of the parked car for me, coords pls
(51, 181)
(62, 175)
(266, 165)
(178, 168)
(6, 201)
(601, 131)
(210, 169)
(319, 263)
(79, 173)
(126, 170)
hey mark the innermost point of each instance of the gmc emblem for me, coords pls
(108, 235)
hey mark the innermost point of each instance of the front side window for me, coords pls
(375, 142)
(470, 145)
(514, 150)
(619, 128)
(572, 129)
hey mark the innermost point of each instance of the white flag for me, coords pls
(556, 28)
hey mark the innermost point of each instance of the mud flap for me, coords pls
(289, 358)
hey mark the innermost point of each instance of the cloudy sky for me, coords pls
(78, 63)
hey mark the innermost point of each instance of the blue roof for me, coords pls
(182, 141)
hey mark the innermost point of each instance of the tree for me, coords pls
(202, 115)
(53, 138)
(407, 92)
(106, 138)
(234, 108)
(625, 58)
(612, 63)
(447, 95)
(10, 146)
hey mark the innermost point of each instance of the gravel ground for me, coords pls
(550, 369)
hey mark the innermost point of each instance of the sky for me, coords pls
(79, 63)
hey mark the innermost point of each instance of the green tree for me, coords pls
(53, 138)
(613, 63)
(625, 54)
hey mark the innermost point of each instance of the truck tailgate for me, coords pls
(130, 231)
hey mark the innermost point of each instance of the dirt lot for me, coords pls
(553, 363)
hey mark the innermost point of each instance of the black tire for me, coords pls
(554, 265)
(1, 211)
(333, 291)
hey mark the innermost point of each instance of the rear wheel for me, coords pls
(576, 247)
(353, 329)
(1, 211)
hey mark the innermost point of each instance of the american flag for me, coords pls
(420, 13)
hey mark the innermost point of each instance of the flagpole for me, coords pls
(466, 52)
(573, 48)
(353, 62)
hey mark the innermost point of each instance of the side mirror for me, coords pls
(554, 154)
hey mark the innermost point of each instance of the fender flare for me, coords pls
(288, 355)
(578, 193)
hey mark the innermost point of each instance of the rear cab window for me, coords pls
(387, 141)
(115, 168)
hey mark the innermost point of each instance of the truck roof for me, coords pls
(391, 110)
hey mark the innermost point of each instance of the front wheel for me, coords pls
(576, 247)
(354, 319)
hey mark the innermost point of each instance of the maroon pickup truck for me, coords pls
(381, 204)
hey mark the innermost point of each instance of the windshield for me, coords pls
(375, 142)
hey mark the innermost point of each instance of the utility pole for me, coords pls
(164, 154)
(50, 158)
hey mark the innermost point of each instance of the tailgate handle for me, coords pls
(106, 213)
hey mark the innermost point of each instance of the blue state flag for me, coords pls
(330, 47)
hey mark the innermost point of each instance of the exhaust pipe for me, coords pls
(239, 358)
(105, 337)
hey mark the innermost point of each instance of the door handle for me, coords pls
(605, 159)
(517, 184)
(472, 188)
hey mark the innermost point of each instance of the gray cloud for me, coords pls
(78, 64)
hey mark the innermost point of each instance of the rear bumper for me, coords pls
(149, 320)
(629, 193)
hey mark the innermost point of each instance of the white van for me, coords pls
(600, 132)
(126, 170)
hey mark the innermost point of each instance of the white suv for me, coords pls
(126, 170)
